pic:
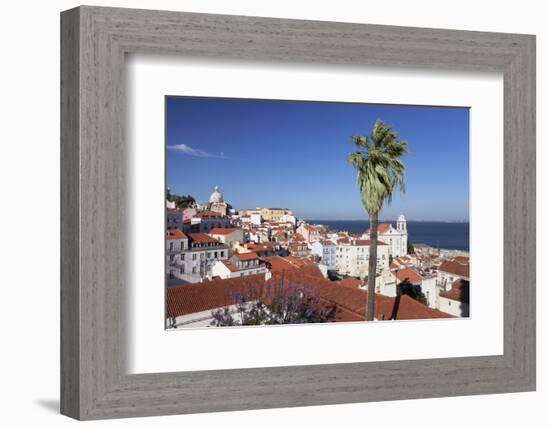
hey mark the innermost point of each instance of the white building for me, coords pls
(289, 218)
(256, 219)
(176, 244)
(326, 250)
(456, 300)
(205, 221)
(385, 284)
(312, 233)
(429, 288)
(449, 271)
(239, 265)
(395, 238)
(352, 257)
(190, 257)
(427, 283)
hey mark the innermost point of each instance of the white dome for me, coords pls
(216, 196)
(401, 217)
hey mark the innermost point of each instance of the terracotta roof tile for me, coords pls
(349, 282)
(246, 256)
(350, 303)
(175, 234)
(407, 274)
(202, 238)
(382, 228)
(223, 231)
(208, 295)
(454, 267)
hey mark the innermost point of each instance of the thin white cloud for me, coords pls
(190, 151)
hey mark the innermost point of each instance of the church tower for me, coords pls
(402, 224)
(402, 228)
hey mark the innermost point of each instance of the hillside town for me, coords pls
(214, 251)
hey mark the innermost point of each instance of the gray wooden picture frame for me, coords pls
(94, 41)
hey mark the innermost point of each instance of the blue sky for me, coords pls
(293, 154)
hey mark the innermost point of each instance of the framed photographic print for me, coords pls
(283, 213)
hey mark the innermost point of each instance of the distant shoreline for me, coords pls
(313, 220)
(442, 235)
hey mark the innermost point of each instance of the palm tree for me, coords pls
(379, 172)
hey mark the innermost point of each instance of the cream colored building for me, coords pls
(274, 214)
(231, 237)
(352, 257)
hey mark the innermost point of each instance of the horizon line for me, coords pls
(386, 220)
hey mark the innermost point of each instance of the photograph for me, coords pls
(291, 212)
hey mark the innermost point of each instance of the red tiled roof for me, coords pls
(201, 238)
(407, 274)
(312, 270)
(349, 282)
(462, 259)
(353, 301)
(382, 228)
(300, 261)
(460, 291)
(175, 234)
(196, 297)
(223, 231)
(455, 268)
(350, 303)
(233, 267)
(278, 263)
(405, 308)
(246, 256)
(265, 245)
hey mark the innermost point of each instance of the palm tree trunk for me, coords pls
(372, 264)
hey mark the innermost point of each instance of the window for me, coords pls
(182, 257)
(182, 270)
(194, 257)
(194, 270)
(171, 246)
(449, 303)
(208, 254)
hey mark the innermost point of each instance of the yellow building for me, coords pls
(274, 214)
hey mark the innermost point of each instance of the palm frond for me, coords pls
(378, 165)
